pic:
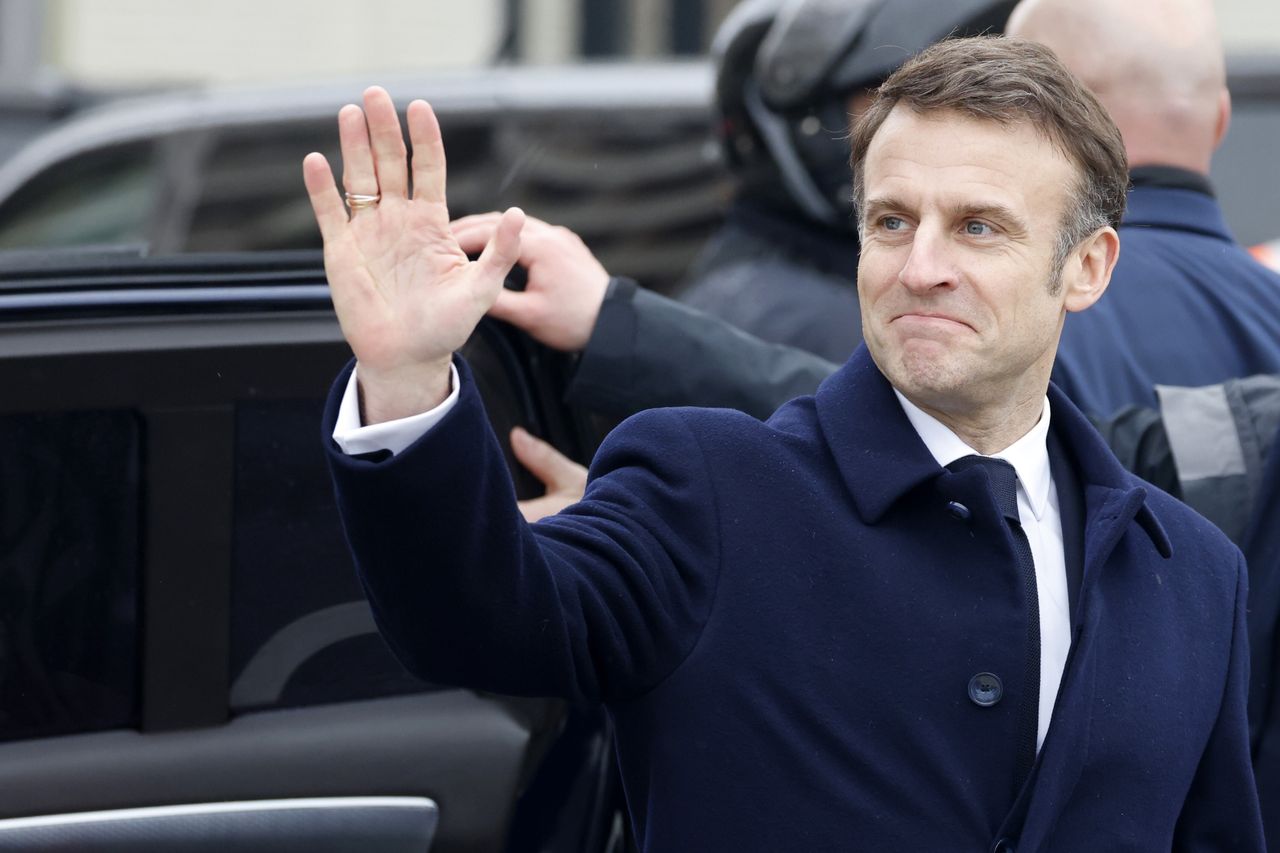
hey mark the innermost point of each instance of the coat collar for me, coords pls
(1180, 209)
(881, 457)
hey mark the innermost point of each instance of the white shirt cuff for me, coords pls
(355, 438)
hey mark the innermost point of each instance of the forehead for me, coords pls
(950, 158)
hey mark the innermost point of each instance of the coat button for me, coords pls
(1002, 845)
(985, 689)
(959, 510)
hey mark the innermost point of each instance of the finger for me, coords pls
(502, 252)
(331, 216)
(476, 223)
(357, 158)
(557, 472)
(548, 505)
(473, 232)
(389, 153)
(482, 219)
(518, 309)
(472, 237)
(428, 153)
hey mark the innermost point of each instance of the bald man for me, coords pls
(1187, 305)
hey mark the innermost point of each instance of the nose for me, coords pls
(929, 263)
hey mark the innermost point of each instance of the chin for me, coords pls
(926, 377)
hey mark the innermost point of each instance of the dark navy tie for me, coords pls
(1004, 488)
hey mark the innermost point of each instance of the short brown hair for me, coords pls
(1011, 81)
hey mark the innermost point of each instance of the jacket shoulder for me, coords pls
(671, 431)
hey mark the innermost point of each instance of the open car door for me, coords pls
(186, 658)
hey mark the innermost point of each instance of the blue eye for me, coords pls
(977, 229)
(892, 223)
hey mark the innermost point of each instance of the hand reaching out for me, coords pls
(561, 301)
(566, 480)
(404, 291)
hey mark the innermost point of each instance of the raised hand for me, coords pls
(405, 293)
(561, 302)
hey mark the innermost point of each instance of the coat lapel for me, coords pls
(876, 450)
(1112, 502)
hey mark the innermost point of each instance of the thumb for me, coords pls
(503, 250)
(556, 471)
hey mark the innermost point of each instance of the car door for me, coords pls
(186, 659)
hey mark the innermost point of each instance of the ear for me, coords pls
(1224, 117)
(1087, 272)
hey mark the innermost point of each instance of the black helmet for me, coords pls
(785, 72)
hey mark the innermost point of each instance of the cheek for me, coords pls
(877, 274)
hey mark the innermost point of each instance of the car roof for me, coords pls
(510, 89)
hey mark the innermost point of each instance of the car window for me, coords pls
(290, 568)
(143, 481)
(301, 633)
(70, 492)
(251, 196)
(102, 196)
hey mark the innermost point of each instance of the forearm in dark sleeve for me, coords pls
(598, 603)
(648, 351)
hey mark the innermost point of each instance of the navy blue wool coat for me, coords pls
(783, 618)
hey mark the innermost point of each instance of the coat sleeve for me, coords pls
(600, 602)
(648, 351)
(1221, 810)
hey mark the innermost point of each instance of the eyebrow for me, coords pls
(1000, 213)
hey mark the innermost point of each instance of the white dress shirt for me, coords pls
(354, 438)
(1041, 521)
(1029, 455)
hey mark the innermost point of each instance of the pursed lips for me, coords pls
(931, 318)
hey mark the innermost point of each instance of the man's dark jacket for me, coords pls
(783, 619)
(784, 278)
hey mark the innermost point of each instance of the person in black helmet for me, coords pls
(789, 76)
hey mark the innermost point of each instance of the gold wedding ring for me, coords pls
(359, 201)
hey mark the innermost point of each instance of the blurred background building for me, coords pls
(219, 138)
(149, 42)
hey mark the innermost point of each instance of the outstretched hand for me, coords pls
(405, 293)
(566, 284)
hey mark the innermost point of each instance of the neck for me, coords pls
(990, 429)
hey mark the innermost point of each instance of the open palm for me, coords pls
(405, 293)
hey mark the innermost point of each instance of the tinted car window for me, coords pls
(251, 196)
(301, 633)
(70, 489)
(103, 196)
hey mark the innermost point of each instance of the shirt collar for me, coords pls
(1029, 455)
